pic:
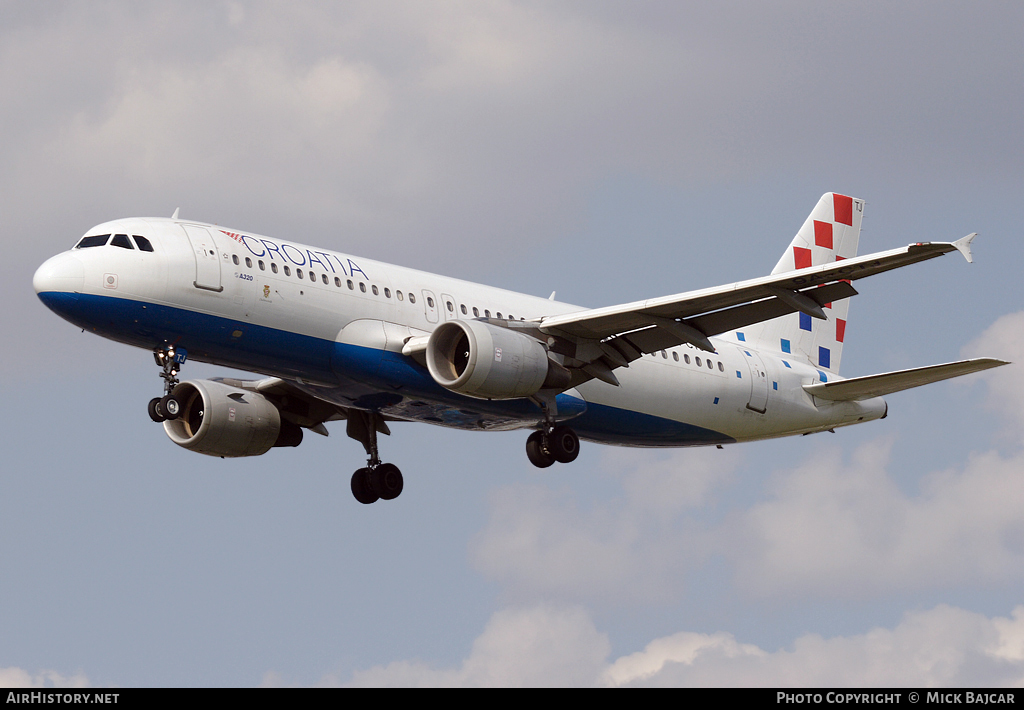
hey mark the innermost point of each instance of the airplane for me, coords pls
(338, 337)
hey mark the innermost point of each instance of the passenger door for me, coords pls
(205, 251)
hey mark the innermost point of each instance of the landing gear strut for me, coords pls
(170, 361)
(377, 481)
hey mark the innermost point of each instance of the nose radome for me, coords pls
(63, 273)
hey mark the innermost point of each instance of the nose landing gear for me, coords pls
(170, 360)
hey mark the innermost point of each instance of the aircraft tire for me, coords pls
(386, 481)
(169, 407)
(154, 413)
(564, 444)
(535, 451)
(361, 490)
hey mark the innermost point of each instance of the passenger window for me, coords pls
(337, 282)
(234, 258)
(298, 273)
(675, 356)
(323, 279)
(375, 291)
(263, 267)
(487, 313)
(142, 243)
(287, 270)
(664, 355)
(412, 298)
(686, 358)
(362, 287)
(499, 314)
(697, 360)
(398, 295)
(387, 293)
(273, 267)
(248, 262)
(351, 286)
(451, 308)
(721, 367)
(511, 317)
(121, 240)
(430, 301)
(476, 312)
(464, 311)
(711, 365)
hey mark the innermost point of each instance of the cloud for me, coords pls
(546, 646)
(13, 677)
(943, 646)
(525, 647)
(834, 528)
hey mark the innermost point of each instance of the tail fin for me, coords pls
(830, 234)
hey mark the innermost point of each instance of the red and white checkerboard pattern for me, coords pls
(831, 233)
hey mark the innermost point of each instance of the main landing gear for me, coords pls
(377, 481)
(549, 445)
(167, 407)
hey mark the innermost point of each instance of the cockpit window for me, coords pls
(121, 240)
(96, 241)
(143, 243)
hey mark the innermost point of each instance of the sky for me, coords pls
(610, 151)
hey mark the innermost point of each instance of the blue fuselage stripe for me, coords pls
(350, 375)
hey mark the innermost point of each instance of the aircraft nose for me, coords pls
(63, 273)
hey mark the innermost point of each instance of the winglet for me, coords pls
(964, 246)
(175, 215)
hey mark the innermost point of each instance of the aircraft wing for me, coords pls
(693, 316)
(888, 382)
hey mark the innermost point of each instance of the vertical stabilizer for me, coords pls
(830, 234)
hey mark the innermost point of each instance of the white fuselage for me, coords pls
(248, 302)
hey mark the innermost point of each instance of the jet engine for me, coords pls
(219, 420)
(481, 360)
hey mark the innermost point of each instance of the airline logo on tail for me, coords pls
(831, 233)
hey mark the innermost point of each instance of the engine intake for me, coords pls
(219, 420)
(481, 360)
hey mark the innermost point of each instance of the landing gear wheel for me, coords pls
(361, 487)
(536, 452)
(386, 481)
(564, 444)
(168, 407)
(154, 414)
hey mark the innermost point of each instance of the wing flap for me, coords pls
(888, 382)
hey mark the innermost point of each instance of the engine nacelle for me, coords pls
(481, 360)
(219, 420)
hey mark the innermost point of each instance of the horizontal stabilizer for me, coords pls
(888, 382)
